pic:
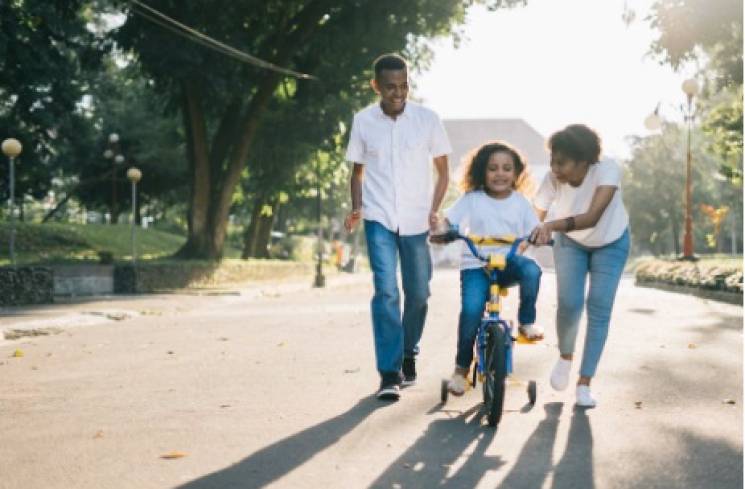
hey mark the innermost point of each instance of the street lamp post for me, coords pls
(320, 280)
(134, 175)
(653, 123)
(116, 159)
(12, 148)
(690, 88)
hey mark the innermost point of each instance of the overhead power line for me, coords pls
(161, 19)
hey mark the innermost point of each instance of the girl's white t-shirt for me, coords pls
(477, 213)
(562, 200)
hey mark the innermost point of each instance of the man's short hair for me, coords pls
(390, 61)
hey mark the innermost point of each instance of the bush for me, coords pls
(718, 275)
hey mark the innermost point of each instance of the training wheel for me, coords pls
(444, 391)
(532, 391)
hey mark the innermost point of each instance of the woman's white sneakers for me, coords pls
(560, 381)
(560, 374)
(584, 398)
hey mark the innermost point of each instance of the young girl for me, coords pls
(491, 206)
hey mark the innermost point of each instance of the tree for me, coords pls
(223, 102)
(45, 47)
(711, 32)
(688, 27)
(121, 101)
(654, 184)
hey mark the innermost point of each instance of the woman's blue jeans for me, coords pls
(474, 292)
(397, 336)
(574, 263)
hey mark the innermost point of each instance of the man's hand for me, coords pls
(352, 219)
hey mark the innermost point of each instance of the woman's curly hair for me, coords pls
(577, 142)
(476, 161)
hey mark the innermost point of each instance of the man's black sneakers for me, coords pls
(409, 371)
(389, 391)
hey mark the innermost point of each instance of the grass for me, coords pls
(56, 243)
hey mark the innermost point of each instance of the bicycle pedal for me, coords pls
(524, 340)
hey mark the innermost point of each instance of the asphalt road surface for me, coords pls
(271, 386)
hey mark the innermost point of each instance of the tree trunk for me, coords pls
(258, 235)
(195, 126)
(264, 232)
(249, 237)
(213, 181)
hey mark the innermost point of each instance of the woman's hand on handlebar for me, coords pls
(541, 235)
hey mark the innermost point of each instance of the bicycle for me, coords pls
(493, 359)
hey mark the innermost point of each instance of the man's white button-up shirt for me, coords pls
(397, 154)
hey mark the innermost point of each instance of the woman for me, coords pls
(587, 213)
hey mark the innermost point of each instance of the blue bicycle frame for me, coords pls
(493, 313)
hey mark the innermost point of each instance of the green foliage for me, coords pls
(122, 101)
(45, 49)
(688, 27)
(723, 124)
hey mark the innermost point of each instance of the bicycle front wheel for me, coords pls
(495, 372)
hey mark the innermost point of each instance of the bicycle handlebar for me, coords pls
(452, 234)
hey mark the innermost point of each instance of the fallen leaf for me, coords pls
(99, 434)
(692, 346)
(174, 455)
(728, 401)
(18, 353)
(281, 343)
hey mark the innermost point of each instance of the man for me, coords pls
(392, 145)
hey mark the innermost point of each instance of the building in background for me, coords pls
(466, 134)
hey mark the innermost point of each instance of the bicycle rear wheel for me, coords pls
(495, 372)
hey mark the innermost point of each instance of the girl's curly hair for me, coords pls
(476, 161)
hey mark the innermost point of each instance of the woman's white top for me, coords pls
(478, 213)
(563, 200)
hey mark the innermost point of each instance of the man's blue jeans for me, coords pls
(574, 263)
(474, 292)
(397, 336)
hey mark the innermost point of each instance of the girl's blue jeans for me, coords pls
(474, 292)
(574, 263)
(396, 335)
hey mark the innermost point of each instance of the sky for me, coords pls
(554, 63)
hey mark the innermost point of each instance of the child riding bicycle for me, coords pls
(492, 206)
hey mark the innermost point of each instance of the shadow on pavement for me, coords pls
(432, 458)
(274, 461)
(574, 470)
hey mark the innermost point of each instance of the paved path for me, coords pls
(273, 388)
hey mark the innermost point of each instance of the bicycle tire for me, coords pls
(495, 372)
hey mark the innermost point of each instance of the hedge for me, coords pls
(720, 276)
